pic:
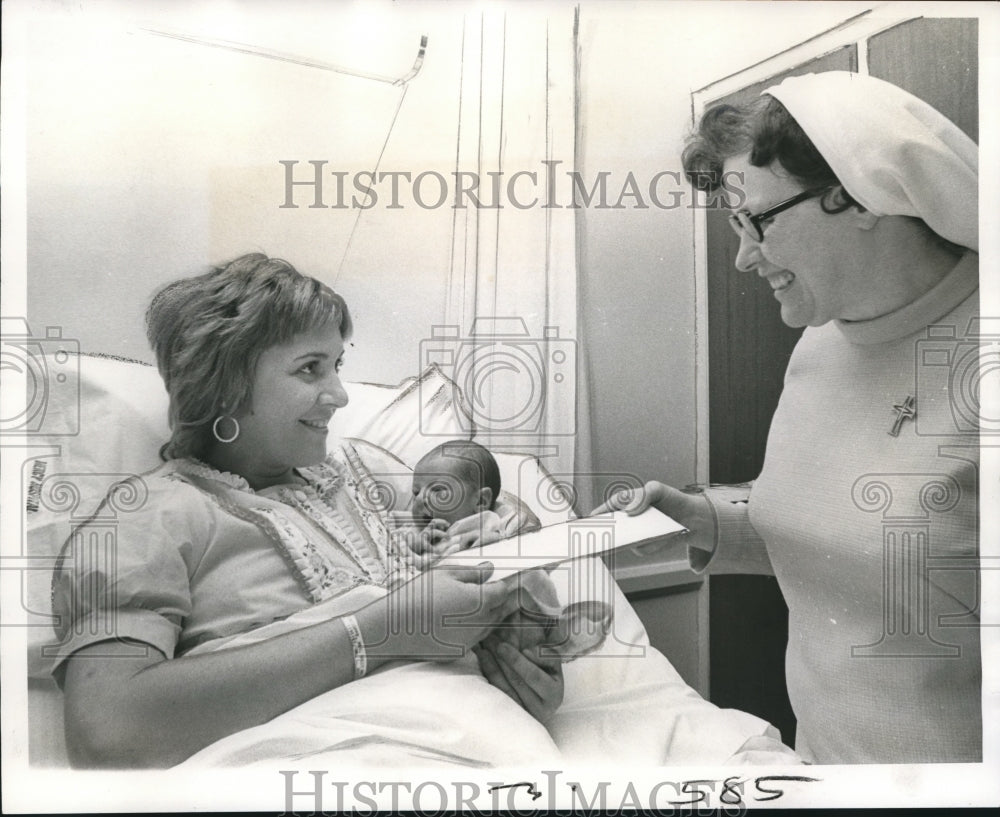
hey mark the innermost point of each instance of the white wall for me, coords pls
(149, 158)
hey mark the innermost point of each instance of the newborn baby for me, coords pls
(457, 505)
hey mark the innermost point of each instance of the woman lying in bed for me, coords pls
(246, 523)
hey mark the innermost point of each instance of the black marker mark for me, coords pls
(535, 794)
(776, 793)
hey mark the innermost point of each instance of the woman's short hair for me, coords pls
(768, 132)
(208, 333)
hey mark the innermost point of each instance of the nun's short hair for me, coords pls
(769, 133)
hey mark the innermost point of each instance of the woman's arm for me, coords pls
(152, 712)
(123, 711)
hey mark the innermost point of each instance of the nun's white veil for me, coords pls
(894, 153)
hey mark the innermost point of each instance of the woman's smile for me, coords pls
(317, 425)
(780, 281)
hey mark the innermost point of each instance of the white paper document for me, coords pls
(574, 539)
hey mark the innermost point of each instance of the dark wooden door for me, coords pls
(749, 347)
(935, 59)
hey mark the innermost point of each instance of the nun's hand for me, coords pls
(691, 510)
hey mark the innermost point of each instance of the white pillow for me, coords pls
(527, 478)
(110, 419)
(386, 480)
(409, 419)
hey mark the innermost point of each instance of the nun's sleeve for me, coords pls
(738, 548)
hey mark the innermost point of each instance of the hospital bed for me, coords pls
(624, 704)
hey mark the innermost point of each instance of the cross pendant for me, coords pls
(907, 410)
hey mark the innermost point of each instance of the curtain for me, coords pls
(511, 316)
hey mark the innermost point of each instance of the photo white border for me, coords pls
(27, 789)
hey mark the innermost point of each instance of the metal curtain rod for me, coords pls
(257, 51)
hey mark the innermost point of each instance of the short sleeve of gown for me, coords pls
(125, 576)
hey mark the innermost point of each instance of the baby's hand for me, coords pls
(476, 530)
(424, 547)
(423, 540)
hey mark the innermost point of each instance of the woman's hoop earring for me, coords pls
(219, 437)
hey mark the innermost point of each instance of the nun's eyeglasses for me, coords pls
(743, 221)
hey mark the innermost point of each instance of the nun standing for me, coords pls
(860, 211)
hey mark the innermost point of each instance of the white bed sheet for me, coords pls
(623, 704)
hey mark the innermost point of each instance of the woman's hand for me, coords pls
(438, 615)
(691, 510)
(533, 680)
(434, 554)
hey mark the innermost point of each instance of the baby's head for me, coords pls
(453, 481)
